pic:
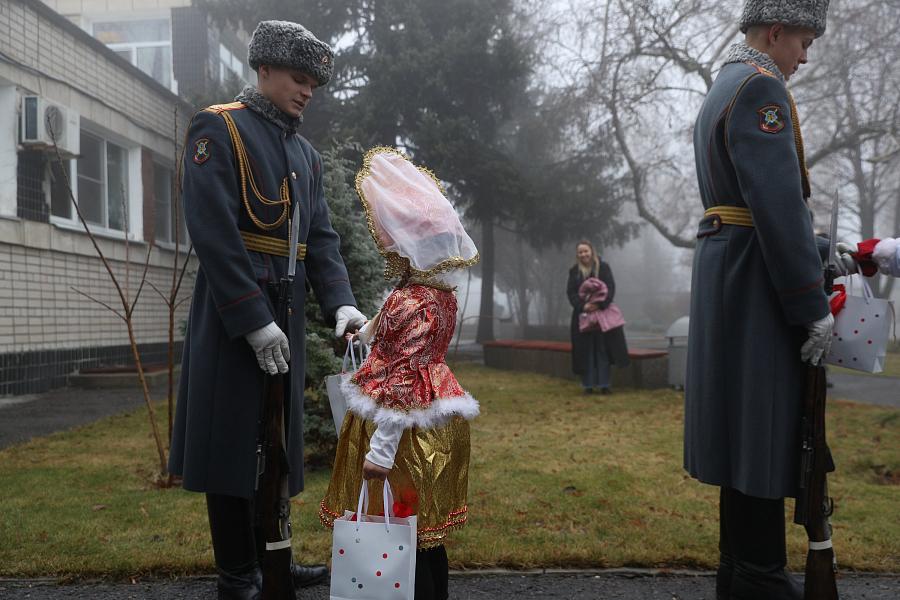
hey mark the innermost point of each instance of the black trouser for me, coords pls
(752, 529)
(432, 574)
(231, 523)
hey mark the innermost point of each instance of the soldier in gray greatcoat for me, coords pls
(245, 168)
(758, 309)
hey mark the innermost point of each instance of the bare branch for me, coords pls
(100, 302)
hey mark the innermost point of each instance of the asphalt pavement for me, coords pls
(618, 585)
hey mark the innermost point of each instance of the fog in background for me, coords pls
(552, 121)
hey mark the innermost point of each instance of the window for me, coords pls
(146, 43)
(165, 209)
(100, 184)
(230, 66)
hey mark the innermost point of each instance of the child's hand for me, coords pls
(373, 471)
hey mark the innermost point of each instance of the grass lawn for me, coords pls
(558, 480)
(891, 367)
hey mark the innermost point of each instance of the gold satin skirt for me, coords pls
(430, 476)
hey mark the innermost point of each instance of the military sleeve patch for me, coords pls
(770, 119)
(201, 151)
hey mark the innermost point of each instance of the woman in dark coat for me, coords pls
(593, 352)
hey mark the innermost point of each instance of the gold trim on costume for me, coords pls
(246, 173)
(732, 215)
(270, 245)
(396, 265)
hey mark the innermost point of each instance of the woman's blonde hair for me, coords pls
(595, 260)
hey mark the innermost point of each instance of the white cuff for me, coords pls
(383, 445)
(367, 332)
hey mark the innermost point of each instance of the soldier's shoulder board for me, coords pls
(220, 108)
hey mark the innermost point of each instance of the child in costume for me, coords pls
(408, 416)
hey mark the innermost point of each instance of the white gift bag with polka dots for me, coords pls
(373, 557)
(861, 332)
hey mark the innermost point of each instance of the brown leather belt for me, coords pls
(270, 245)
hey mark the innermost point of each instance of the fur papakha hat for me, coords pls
(798, 13)
(291, 45)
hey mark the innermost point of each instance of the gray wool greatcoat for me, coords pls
(215, 432)
(753, 289)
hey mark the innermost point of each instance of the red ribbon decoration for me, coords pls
(839, 299)
(863, 257)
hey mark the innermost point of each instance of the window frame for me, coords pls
(154, 15)
(133, 192)
(184, 240)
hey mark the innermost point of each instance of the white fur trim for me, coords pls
(440, 411)
(887, 256)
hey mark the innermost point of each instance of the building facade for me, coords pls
(94, 101)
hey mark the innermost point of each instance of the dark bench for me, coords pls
(648, 368)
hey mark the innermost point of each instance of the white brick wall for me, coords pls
(39, 310)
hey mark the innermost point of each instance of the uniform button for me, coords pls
(294, 174)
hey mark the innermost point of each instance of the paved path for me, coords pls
(631, 585)
(865, 388)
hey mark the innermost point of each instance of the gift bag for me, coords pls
(373, 557)
(861, 331)
(333, 384)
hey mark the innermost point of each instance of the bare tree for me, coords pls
(647, 65)
(171, 298)
(126, 314)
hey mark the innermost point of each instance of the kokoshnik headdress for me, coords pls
(413, 224)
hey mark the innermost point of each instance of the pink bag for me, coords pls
(595, 290)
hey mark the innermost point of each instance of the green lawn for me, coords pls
(558, 479)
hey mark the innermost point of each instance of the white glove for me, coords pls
(843, 259)
(348, 317)
(271, 347)
(819, 342)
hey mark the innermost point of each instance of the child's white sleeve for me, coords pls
(383, 445)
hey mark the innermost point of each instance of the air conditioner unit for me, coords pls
(40, 117)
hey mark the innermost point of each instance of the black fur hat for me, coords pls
(287, 44)
(799, 13)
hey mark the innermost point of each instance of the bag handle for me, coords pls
(350, 356)
(363, 504)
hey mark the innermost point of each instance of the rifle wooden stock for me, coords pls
(813, 507)
(273, 502)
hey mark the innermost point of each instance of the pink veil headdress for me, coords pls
(413, 224)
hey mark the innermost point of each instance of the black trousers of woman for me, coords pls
(432, 574)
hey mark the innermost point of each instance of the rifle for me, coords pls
(273, 502)
(814, 507)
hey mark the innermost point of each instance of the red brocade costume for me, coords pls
(405, 376)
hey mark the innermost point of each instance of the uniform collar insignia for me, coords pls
(253, 98)
(741, 52)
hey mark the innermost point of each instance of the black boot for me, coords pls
(753, 581)
(234, 547)
(726, 561)
(307, 575)
(723, 576)
(755, 537)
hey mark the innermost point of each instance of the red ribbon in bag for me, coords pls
(839, 299)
